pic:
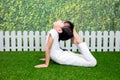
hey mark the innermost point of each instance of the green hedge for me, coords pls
(40, 14)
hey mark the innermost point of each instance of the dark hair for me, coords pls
(67, 31)
(71, 25)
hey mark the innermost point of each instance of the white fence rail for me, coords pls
(35, 41)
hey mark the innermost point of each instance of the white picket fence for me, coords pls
(35, 41)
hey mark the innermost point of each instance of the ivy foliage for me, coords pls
(40, 14)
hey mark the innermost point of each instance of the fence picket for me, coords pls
(87, 37)
(37, 41)
(99, 40)
(105, 41)
(68, 45)
(13, 41)
(7, 41)
(1, 41)
(117, 41)
(31, 41)
(111, 42)
(19, 40)
(25, 41)
(74, 48)
(43, 39)
(93, 40)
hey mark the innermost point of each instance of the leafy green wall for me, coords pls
(40, 14)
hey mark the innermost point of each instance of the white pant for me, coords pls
(86, 54)
(69, 58)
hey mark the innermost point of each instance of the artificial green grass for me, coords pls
(20, 66)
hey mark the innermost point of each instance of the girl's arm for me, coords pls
(47, 50)
(47, 53)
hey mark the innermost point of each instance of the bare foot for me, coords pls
(76, 39)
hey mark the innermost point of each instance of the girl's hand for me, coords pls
(58, 25)
(41, 66)
(42, 59)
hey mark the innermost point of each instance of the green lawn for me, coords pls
(20, 66)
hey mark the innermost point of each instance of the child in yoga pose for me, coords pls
(64, 31)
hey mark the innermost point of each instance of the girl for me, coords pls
(64, 31)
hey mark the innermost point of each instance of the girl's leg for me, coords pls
(76, 38)
(84, 49)
(86, 53)
(70, 58)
